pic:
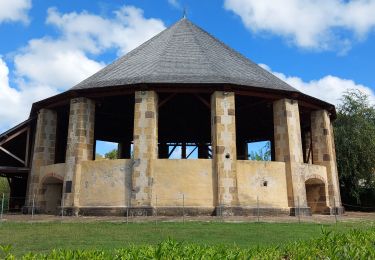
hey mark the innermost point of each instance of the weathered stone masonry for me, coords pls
(288, 149)
(324, 153)
(224, 147)
(145, 149)
(44, 149)
(80, 146)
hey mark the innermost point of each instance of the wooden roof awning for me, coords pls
(15, 149)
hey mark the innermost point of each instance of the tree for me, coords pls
(355, 146)
(263, 154)
(112, 155)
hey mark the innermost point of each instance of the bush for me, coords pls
(354, 244)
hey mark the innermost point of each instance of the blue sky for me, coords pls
(320, 47)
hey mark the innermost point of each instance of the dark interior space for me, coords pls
(61, 133)
(254, 123)
(114, 120)
(305, 121)
(184, 120)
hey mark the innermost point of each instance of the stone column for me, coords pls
(324, 154)
(44, 150)
(163, 150)
(202, 151)
(288, 149)
(307, 147)
(79, 148)
(123, 150)
(242, 151)
(224, 149)
(145, 150)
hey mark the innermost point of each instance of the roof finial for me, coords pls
(184, 13)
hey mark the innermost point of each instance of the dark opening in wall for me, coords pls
(254, 124)
(61, 133)
(114, 121)
(184, 129)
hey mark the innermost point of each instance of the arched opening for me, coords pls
(316, 196)
(52, 194)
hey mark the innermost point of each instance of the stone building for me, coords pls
(182, 88)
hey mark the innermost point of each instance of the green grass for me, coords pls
(43, 237)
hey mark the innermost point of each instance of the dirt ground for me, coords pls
(347, 217)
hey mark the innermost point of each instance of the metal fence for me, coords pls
(182, 208)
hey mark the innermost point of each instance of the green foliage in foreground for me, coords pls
(355, 244)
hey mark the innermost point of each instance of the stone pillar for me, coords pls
(145, 150)
(79, 148)
(324, 154)
(163, 150)
(224, 149)
(288, 149)
(242, 151)
(123, 150)
(202, 151)
(44, 150)
(307, 149)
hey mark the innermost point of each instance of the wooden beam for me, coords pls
(12, 155)
(13, 136)
(27, 152)
(207, 104)
(247, 106)
(170, 153)
(191, 152)
(166, 99)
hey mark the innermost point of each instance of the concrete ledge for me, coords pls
(337, 210)
(244, 211)
(187, 211)
(300, 211)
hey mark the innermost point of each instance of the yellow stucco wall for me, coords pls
(52, 170)
(193, 178)
(252, 176)
(105, 183)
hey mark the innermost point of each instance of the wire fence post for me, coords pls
(127, 211)
(32, 209)
(62, 206)
(183, 208)
(258, 207)
(2, 206)
(299, 213)
(334, 209)
(156, 209)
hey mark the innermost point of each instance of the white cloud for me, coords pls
(47, 66)
(313, 24)
(14, 10)
(329, 88)
(175, 3)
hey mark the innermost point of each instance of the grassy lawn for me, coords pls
(42, 237)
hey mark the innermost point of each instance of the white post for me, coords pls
(258, 207)
(299, 217)
(62, 206)
(183, 208)
(127, 211)
(334, 209)
(32, 210)
(2, 206)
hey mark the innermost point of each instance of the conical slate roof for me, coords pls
(184, 53)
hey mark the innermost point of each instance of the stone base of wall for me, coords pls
(300, 211)
(186, 211)
(180, 211)
(337, 210)
(243, 211)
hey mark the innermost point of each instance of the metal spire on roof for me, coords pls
(184, 13)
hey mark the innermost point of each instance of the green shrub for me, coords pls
(354, 244)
